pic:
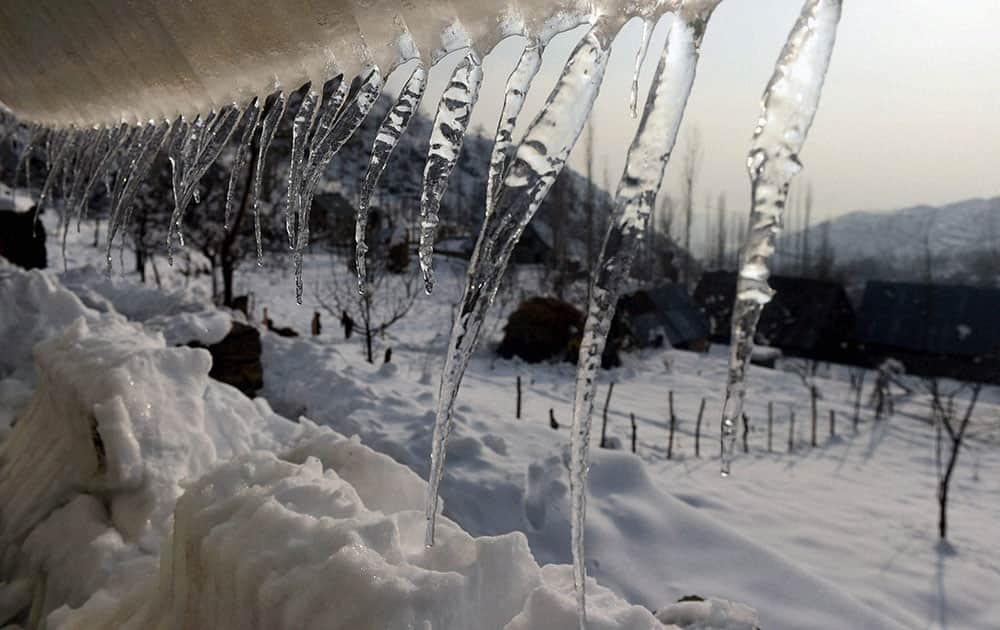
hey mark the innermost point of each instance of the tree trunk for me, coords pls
(228, 268)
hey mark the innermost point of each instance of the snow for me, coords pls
(841, 536)
(135, 488)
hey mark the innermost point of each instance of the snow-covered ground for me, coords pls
(841, 536)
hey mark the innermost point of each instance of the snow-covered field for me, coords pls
(841, 536)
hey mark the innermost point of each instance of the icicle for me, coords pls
(61, 145)
(249, 123)
(391, 130)
(325, 119)
(87, 150)
(517, 89)
(322, 152)
(640, 57)
(640, 183)
(267, 128)
(788, 108)
(301, 127)
(450, 124)
(537, 162)
(144, 147)
(35, 135)
(194, 149)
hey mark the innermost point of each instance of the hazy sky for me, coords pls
(910, 113)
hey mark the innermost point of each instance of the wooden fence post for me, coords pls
(812, 396)
(673, 424)
(770, 424)
(791, 432)
(833, 423)
(517, 410)
(746, 434)
(697, 430)
(604, 423)
(635, 431)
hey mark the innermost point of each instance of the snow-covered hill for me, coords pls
(905, 234)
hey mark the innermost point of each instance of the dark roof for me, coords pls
(931, 319)
(666, 310)
(333, 204)
(804, 314)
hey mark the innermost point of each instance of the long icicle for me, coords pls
(145, 145)
(450, 124)
(116, 139)
(197, 151)
(87, 152)
(514, 96)
(249, 122)
(640, 57)
(301, 128)
(36, 134)
(322, 152)
(640, 183)
(788, 108)
(539, 159)
(391, 130)
(268, 126)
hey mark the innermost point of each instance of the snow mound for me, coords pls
(263, 542)
(93, 465)
(181, 315)
(33, 307)
(135, 492)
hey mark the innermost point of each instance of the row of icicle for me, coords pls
(519, 177)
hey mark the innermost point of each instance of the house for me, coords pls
(663, 314)
(934, 330)
(806, 318)
(333, 218)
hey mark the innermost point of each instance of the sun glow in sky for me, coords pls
(910, 113)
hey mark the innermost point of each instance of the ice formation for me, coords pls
(637, 191)
(450, 124)
(788, 108)
(389, 133)
(537, 162)
(97, 118)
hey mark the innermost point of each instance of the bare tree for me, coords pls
(807, 262)
(947, 421)
(689, 173)
(720, 234)
(387, 299)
